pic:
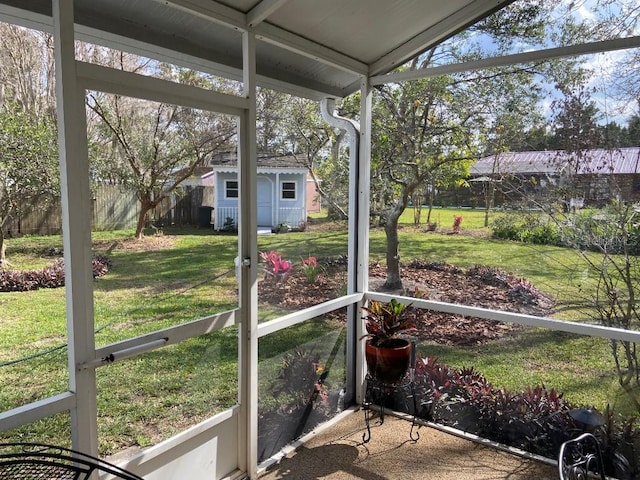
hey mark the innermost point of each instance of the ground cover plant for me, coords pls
(51, 276)
(536, 419)
(183, 275)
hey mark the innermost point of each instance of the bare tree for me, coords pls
(28, 146)
(26, 73)
(152, 148)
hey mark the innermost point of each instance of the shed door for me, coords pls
(265, 201)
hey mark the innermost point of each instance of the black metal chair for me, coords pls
(581, 458)
(36, 461)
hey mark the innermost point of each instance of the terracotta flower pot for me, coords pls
(390, 363)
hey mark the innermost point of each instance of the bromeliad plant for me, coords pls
(275, 267)
(385, 320)
(311, 269)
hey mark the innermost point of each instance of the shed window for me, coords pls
(231, 189)
(288, 191)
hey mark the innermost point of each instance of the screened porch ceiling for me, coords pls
(309, 48)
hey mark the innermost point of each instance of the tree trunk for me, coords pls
(145, 205)
(393, 281)
(3, 253)
(140, 225)
(417, 209)
(431, 200)
(488, 201)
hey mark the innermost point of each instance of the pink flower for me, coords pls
(275, 267)
(311, 262)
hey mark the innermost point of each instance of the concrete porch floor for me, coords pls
(337, 453)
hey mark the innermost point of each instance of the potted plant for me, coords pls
(387, 355)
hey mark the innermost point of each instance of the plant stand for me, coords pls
(378, 393)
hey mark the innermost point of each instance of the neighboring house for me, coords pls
(282, 191)
(598, 176)
(314, 204)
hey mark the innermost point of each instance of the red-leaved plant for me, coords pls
(385, 320)
(275, 267)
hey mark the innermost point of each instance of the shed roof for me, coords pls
(555, 162)
(310, 48)
(228, 162)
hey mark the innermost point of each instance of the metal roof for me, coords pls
(311, 48)
(554, 162)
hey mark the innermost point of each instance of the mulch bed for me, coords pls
(445, 284)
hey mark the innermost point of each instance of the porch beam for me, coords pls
(104, 79)
(515, 318)
(248, 252)
(297, 44)
(357, 370)
(210, 10)
(263, 10)
(76, 228)
(301, 316)
(509, 60)
(175, 334)
(26, 18)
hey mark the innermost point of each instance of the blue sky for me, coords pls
(603, 66)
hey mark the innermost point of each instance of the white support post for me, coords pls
(76, 224)
(248, 248)
(362, 224)
(278, 189)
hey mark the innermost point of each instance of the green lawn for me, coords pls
(472, 218)
(190, 274)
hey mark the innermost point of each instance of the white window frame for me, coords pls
(295, 190)
(226, 190)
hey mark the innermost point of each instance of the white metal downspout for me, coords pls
(327, 109)
(354, 284)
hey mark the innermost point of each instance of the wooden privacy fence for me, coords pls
(180, 209)
(112, 208)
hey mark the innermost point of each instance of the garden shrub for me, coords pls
(506, 227)
(589, 229)
(529, 228)
(523, 292)
(311, 269)
(541, 234)
(275, 268)
(599, 230)
(299, 380)
(229, 225)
